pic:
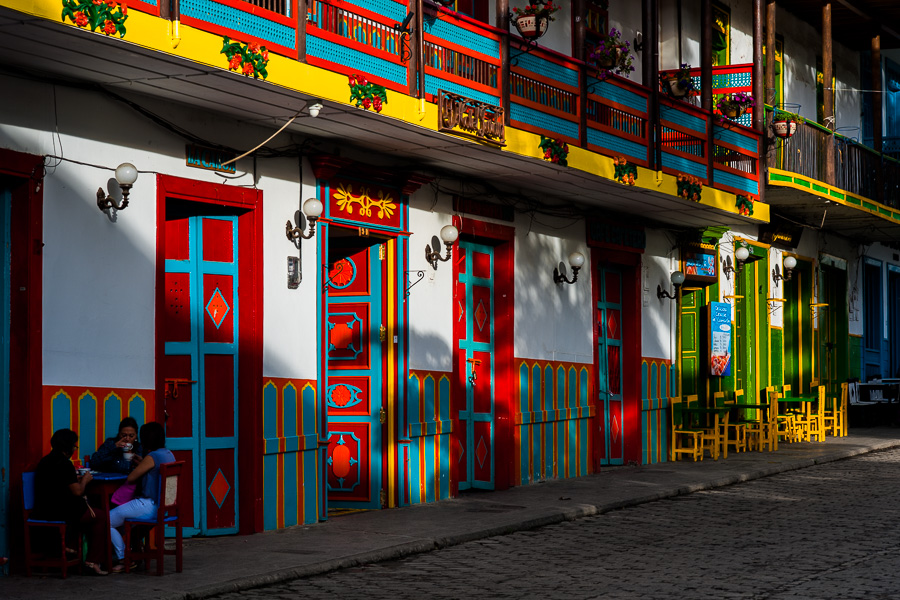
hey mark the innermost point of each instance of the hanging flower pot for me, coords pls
(531, 27)
(678, 83)
(784, 128)
(734, 105)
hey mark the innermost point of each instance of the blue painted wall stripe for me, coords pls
(682, 118)
(291, 500)
(451, 32)
(618, 95)
(684, 165)
(229, 17)
(734, 138)
(617, 144)
(735, 181)
(548, 69)
(87, 425)
(112, 416)
(270, 495)
(350, 57)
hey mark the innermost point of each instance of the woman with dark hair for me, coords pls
(59, 496)
(121, 453)
(144, 506)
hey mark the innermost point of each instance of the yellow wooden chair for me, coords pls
(815, 416)
(789, 423)
(833, 416)
(711, 439)
(684, 440)
(735, 430)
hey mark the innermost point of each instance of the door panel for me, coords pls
(200, 365)
(5, 276)
(609, 359)
(355, 383)
(475, 294)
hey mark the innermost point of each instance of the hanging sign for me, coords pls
(211, 159)
(700, 264)
(471, 118)
(720, 339)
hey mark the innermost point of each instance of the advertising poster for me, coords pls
(720, 339)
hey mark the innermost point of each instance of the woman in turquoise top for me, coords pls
(153, 438)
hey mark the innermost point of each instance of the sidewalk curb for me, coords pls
(580, 511)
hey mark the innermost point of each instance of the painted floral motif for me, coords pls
(626, 172)
(744, 204)
(346, 200)
(251, 59)
(556, 151)
(689, 187)
(367, 94)
(106, 15)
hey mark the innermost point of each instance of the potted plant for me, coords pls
(734, 105)
(678, 83)
(532, 21)
(613, 55)
(784, 124)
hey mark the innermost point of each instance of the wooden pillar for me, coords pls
(650, 72)
(877, 113)
(759, 91)
(503, 24)
(580, 52)
(769, 92)
(706, 21)
(827, 76)
(302, 11)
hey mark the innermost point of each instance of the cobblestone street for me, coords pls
(829, 531)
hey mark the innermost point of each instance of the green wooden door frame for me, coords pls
(799, 351)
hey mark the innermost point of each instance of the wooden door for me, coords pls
(691, 363)
(6, 258)
(475, 297)
(745, 333)
(894, 320)
(609, 370)
(200, 367)
(354, 394)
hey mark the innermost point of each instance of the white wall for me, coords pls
(658, 316)
(99, 277)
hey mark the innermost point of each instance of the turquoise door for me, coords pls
(609, 368)
(476, 355)
(354, 391)
(200, 367)
(5, 207)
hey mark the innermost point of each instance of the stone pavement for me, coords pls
(217, 565)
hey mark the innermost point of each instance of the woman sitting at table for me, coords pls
(146, 473)
(121, 453)
(59, 496)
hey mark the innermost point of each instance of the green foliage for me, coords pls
(367, 94)
(744, 204)
(556, 151)
(251, 59)
(689, 187)
(106, 15)
(626, 172)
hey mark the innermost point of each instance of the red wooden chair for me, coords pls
(36, 559)
(167, 514)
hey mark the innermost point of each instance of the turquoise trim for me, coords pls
(61, 411)
(87, 425)
(270, 483)
(524, 114)
(310, 455)
(446, 30)
(548, 69)
(654, 398)
(682, 118)
(433, 85)
(524, 437)
(684, 165)
(735, 181)
(291, 499)
(112, 416)
(355, 59)
(387, 8)
(412, 414)
(730, 136)
(242, 21)
(137, 408)
(428, 397)
(617, 144)
(618, 95)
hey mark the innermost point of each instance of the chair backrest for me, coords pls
(28, 491)
(786, 390)
(169, 476)
(675, 408)
(719, 399)
(738, 396)
(692, 401)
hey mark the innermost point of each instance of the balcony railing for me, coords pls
(857, 168)
(547, 93)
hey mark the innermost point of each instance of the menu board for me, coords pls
(720, 339)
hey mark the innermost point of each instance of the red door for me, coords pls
(355, 378)
(200, 366)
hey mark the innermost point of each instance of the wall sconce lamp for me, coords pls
(789, 263)
(740, 255)
(449, 234)
(126, 175)
(315, 108)
(313, 210)
(576, 259)
(677, 278)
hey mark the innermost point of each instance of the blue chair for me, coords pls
(167, 514)
(33, 559)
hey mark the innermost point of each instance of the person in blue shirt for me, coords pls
(111, 456)
(146, 473)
